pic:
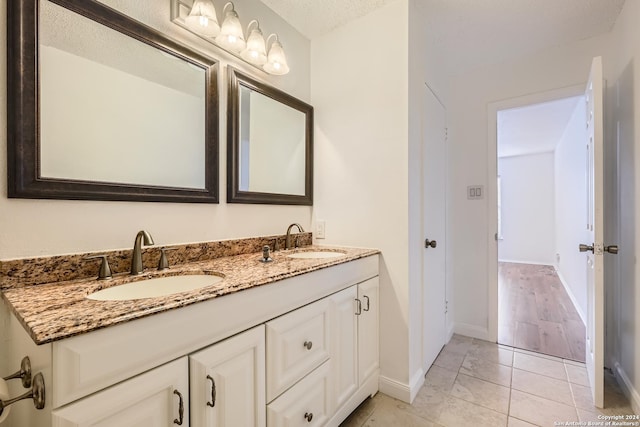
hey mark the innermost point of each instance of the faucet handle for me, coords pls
(163, 264)
(105, 270)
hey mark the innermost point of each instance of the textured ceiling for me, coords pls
(470, 32)
(535, 128)
(314, 18)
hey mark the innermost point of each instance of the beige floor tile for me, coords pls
(577, 375)
(543, 386)
(459, 344)
(585, 416)
(514, 422)
(449, 360)
(536, 354)
(391, 413)
(440, 378)
(574, 363)
(486, 370)
(483, 393)
(615, 403)
(427, 404)
(540, 411)
(491, 352)
(457, 412)
(540, 365)
(362, 412)
(582, 397)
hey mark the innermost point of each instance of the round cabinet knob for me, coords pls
(308, 345)
(308, 416)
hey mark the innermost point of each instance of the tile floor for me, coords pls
(477, 383)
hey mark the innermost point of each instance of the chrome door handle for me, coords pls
(430, 243)
(613, 249)
(585, 248)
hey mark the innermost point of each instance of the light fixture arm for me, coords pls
(252, 25)
(225, 8)
(272, 38)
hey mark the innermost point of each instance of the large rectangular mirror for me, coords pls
(270, 144)
(103, 107)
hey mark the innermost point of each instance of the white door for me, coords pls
(228, 382)
(434, 227)
(595, 248)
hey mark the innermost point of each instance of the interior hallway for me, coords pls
(481, 384)
(536, 313)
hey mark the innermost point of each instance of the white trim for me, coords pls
(528, 153)
(491, 179)
(473, 331)
(402, 391)
(512, 261)
(571, 296)
(627, 387)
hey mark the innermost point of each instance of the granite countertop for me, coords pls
(54, 311)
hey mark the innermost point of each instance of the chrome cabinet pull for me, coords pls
(24, 373)
(366, 309)
(180, 418)
(213, 392)
(358, 307)
(308, 345)
(308, 416)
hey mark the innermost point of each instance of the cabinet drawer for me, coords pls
(306, 404)
(297, 343)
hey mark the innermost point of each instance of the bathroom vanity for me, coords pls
(290, 342)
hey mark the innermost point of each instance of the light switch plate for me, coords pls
(475, 192)
(320, 229)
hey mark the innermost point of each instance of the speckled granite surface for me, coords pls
(54, 311)
(34, 271)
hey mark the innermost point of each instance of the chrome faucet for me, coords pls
(136, 259)
(287, 241)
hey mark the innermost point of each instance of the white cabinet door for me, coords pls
(368, 360)
(156, 398)
(344, 354)
(228, 382)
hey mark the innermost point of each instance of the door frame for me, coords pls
(492, 187)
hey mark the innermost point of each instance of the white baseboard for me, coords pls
(571, 295)
(473, 331)
(628, 388)
(513, 261)
(402, 391)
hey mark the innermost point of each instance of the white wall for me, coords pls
(623, 73)
(361, 105)
(44, 227)
(528, 209)
(570, 206)
(470, 229)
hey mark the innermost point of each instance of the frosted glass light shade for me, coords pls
(276, 60)
(255, 52)
(202, 19)
(231, 36)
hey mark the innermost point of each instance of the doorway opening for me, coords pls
(541, 203)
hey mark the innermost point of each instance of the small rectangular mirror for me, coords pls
(270, 144)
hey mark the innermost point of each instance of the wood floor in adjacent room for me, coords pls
(536, 313)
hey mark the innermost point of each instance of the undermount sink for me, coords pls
(316, 254)
(156, 287)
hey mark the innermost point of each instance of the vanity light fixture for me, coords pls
(276, 60)
(199, 17)
(202, 18)
(255, 52)
(231, 37)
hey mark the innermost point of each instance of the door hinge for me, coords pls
(446, 307)
(446, 134)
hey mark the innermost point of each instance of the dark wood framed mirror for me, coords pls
(103, 107)
(269, 144)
